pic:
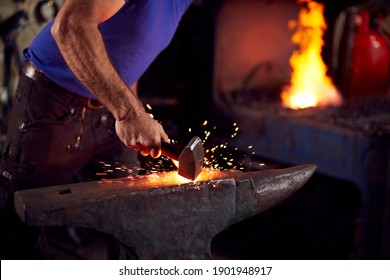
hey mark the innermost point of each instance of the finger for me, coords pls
(155, 152)
(164, 137)
(145, 152)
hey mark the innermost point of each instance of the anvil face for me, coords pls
(160, 216)
(162, 180)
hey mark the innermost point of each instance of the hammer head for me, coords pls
(191, 159)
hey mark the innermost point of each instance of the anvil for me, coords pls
(162, 216)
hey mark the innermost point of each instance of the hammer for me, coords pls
(190, 158)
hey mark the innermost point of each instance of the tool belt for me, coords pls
(36, 74)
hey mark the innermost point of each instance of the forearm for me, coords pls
(76, 33)
(82, 47)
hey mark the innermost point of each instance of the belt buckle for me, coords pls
(94, 104)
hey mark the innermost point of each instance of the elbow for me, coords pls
(62, 28)
(59, 30)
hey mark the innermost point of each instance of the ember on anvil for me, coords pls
(157, 216)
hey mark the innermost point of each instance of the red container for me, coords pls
(369, 66)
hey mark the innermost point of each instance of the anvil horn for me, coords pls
(268, 187)
(155, 217)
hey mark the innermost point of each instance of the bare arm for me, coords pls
(76, 33)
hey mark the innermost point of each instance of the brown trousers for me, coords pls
(53, 138)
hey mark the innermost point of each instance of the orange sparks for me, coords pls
(309, 85)
(218, 156)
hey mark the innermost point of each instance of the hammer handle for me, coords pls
(171, 151)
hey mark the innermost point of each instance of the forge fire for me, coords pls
(309, 86)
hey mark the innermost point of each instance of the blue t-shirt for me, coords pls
(133, 38)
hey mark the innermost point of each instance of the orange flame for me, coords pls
(309, 85)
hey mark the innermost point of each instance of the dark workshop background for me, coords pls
(343, 212)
